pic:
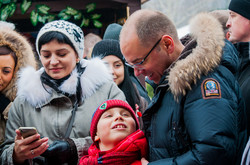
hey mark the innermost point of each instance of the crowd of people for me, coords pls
(88, 106)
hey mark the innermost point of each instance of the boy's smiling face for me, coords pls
(114, 125)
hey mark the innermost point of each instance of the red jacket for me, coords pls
(127, 152)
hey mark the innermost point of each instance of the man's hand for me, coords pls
(144, 161)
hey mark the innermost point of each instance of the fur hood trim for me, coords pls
(37, 94)
(209, 35)
(24, 53)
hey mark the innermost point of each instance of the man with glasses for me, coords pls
(196, 115)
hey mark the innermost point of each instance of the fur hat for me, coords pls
(4, 24)
(24, 53)
(113, 31)
(72, 31)
(106, 106)
(107, 47)
(241, 7)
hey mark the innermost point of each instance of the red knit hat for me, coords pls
(106, 106)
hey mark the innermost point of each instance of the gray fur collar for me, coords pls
(204, 58)
(31, 88)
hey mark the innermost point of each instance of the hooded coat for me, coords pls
(197, 114)
(38, 105)
(25, 57)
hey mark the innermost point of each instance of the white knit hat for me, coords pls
(72, 31)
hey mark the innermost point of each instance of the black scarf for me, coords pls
(56, 83)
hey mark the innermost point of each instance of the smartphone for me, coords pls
(27, 131)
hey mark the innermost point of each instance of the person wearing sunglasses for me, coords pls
(196, 115)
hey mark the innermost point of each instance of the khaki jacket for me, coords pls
(50, 112)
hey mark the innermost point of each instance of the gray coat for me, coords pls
(50, 112)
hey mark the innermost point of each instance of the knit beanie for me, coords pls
(241, 7)
(107, 47)
(113, 31)
(72, 31)
(106, 105)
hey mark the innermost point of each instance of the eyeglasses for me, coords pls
(142, 61)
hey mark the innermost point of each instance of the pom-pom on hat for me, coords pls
(107, 47)
(241, 7)
(106, 105)
(113, 31)
(72, 31)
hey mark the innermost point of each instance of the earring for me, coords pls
(77, 60)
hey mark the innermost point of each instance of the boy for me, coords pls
(116, 135)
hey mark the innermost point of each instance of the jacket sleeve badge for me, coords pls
(210, 89)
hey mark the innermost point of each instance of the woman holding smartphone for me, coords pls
(58, 100)
(15, 54)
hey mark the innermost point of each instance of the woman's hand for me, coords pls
(144, 161)
(29, 147)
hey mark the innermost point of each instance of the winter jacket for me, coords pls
(128, 152)
(197, 115)
(244, 76)
(38, 105)
(25, 57)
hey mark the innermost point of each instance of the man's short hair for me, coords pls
(151, 25)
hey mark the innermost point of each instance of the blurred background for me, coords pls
(95, 15)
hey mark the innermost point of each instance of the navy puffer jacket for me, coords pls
(197, 114)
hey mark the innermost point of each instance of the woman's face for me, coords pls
(7, 67)
(58, 59)
(117, 68)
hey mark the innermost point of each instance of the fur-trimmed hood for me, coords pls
(206, 56)
(24, 53)
(31, 88)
